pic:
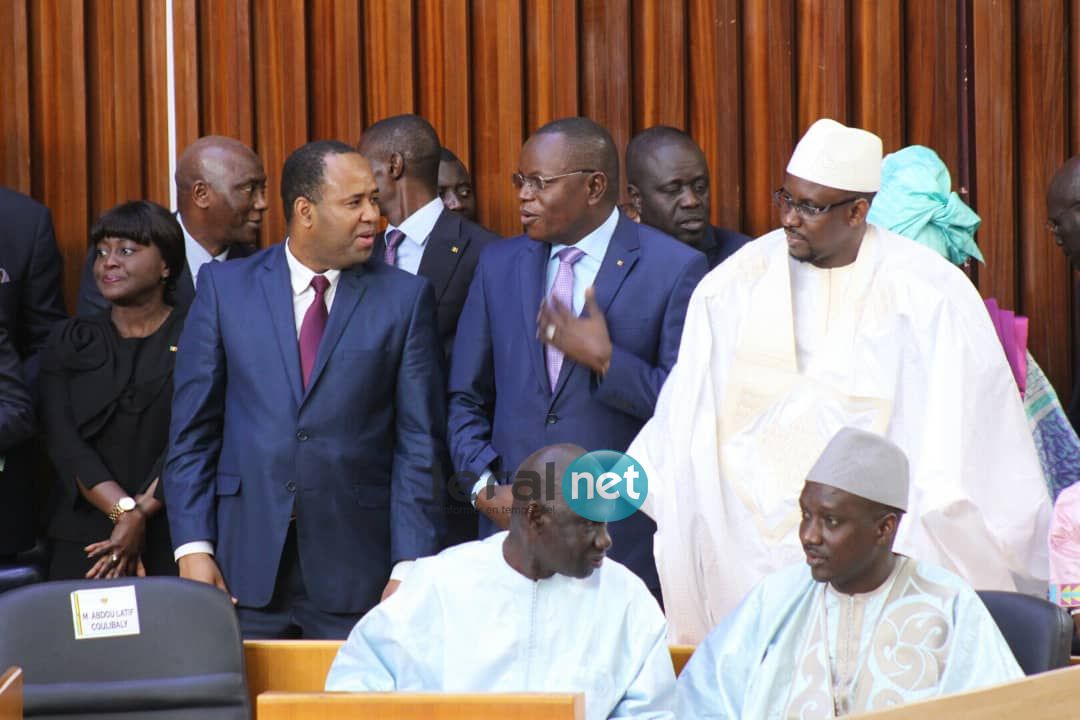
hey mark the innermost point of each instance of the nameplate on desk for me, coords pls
(105, 612)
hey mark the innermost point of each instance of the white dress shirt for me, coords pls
(417, 227)
(196, 255)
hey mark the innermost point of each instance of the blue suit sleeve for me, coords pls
(197, 419)
(631, 384)
(418, 506)
(16, 407)
(472, 387)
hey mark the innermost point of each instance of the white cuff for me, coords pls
(197, 546)
(479, 485)
(401, 570)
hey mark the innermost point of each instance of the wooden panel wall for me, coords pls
(86, 119)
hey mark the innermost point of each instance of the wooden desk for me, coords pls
(1048, 696)
(11, 690)
(419, 706)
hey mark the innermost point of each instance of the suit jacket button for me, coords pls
(290, 486)
(302, 435)
(552, 418)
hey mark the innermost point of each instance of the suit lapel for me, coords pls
(277, 288)
(621, 256)
(532, 272)
(352, 284)
(185, 287)
(445, 246)
(378, 251)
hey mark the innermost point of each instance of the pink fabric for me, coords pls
(393, 239)
(563, 291)
(1012, 332)
(1065, 538)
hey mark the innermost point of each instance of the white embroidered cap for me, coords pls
(864, 464)
(838, 156)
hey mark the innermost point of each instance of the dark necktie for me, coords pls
(311, 330)
(393, 239)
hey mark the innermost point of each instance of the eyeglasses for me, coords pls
(537, 183)
(785, 202)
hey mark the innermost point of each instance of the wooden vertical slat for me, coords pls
(933, 88)
(822, 61)
(114, 101)
(551, 66)
(1074, 103)
(994, 197)
(877, 80)
(280, 92)
(770, 117)
(155, 119)
(1043, 117)
(15, 89)
(606, 71)
(225, 82)
(186, 72)
(498, 109)
(389, 58)
(716, 106)
(660, 62)
(58, 101)
(336, 70)
(444, 75)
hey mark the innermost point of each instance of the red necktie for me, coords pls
(311, 330)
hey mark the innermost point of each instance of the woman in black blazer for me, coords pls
(106, 391)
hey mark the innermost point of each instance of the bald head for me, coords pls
(547, 462)
(1063, 209)
(221, 192)
(413, 139)
(592, 147)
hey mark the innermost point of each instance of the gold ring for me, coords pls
(549, 331)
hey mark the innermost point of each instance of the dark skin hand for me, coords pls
(584, 339)
(496, 505)
(126, 542)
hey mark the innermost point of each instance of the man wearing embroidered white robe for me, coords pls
(828, 322)
(553, 616)
(856, 627)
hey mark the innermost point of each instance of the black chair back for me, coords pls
(186, 662)
(1039, 632)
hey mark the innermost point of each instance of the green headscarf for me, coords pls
(916, 201)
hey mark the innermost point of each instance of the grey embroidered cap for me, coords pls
(864, 464)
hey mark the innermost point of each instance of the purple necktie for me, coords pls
(563, 291)
(311, 330)
(393, 239)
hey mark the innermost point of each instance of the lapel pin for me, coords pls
(619, 263)
(454, 249)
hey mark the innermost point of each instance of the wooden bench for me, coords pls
(1048, 696)
(419, 706)
(11, 699)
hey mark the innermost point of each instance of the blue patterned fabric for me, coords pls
(1055, 440)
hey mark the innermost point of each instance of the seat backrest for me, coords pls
(186, 661)
(1039, 632)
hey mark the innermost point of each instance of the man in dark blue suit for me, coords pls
(569, 330)
(668, 184)
(427, 239)
(221, 195)
(308, 415)
(30, 303)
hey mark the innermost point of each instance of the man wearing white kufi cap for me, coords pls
(827, 322)
(856, 627)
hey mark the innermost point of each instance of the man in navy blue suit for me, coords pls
(668, 184)
(309, 414)
(426, 238)
(569, 330)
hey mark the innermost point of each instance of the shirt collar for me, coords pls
(194, 250)
(419, 225)
(300, 274)
(595, 244)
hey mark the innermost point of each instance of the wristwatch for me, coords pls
(123, 505)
